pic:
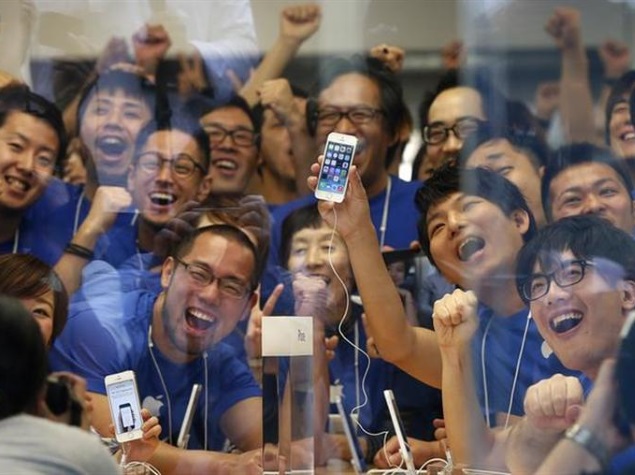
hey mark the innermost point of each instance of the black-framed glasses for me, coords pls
(569, 273)
(329, 116)
(228, 286)
(181, 165)
(241, 137)
(438, 133)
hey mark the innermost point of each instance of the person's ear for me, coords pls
(167, 270)
(627, 293)
(521, 220)
(541, 171)
(204, 188)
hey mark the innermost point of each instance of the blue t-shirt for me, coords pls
(418, 403)
(401, 230)
(47, 225)
(62, 209)
(503, 339)
(110, 335)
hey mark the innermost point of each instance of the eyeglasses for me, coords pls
(569, 273)
(357, 115)
(227, 286)
(438, 133)
(240, 137)
(182, 165)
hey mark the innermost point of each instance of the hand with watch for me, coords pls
(590, 444)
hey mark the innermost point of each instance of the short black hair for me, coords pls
(623, 87)
(526, 140)
(229, 232)
(579, 154)
(134, 85)
(236, 102)
(23, 359)
(297, 220)
(586, 236)
(19, 98)
(390, 90)
(451, 179)
(181, 121)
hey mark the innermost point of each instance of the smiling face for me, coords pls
(500, 157)
(232, 164)
(195, 317)
(109, 127)
(357, 91)
(42, 308)
(582, 322)
(621, 130)
(447, 109)
(592, 188)
(472, 241)
(28, 151)
(161, 194)
(309, 256)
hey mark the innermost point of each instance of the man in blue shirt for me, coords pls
(32, 142)
(172, 342)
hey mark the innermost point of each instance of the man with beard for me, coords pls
(171, 341)
(169, 165)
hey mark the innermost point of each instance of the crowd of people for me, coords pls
(152, 217)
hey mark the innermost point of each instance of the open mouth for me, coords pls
(469, 247)
(225, 164)
(199, 320)
(111, 145)
(565, 322)
(17, 184)
(627, 136)
(162, 198)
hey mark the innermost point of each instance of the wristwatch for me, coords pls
(591, 443)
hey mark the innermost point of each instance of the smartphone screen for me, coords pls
(124, 406)
(338, 157)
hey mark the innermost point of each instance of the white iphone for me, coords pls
(338, 158)
(125, 407)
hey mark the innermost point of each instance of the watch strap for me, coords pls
(590, 442)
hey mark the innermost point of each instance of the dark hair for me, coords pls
(229, 232)
(390, 90)
(449, 80)
(527, 141)
(236, 102)
(19, 98)
(24, 276)
(23, 361)
(586, 236)
(248, 212)
(132, 84)
(623, 87)
(450, 179)
(299, 219)
(182, 122)
(579, 154)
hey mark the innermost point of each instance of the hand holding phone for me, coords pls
(125, 408)
(335, 169)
